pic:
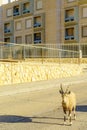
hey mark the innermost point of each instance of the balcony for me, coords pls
(37, 40)
(26, 11)
(7, 30)
(69, 37)
(37, 25)
(15, 13)
(16, 10)
(70, 18)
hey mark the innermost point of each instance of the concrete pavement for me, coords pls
(37, 105)
(33, 86)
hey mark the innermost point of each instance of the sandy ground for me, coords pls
(37, 105)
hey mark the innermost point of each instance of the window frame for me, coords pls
(26, 37)
(24, 5)
(16, 25)
(83, 30)
(39, 8)
(26, 23)
(9, 9)
(83, 16)
(66, 31)
(16, 39)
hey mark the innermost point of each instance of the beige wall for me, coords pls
(22, 72)
(1, 25)
(51, 23)
(70, 4)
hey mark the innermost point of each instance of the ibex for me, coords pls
(68, 103)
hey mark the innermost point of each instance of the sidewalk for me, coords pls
(35, 86)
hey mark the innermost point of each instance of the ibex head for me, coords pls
(62, 91)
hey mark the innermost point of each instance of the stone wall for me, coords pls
(20, 72)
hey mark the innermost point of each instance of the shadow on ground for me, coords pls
(34, 120)
(81, 108)
(47, 120)
(14, 119)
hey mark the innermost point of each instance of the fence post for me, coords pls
(42, 51)
(80, 56)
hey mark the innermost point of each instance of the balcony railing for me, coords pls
(37, 25)
(7, 30)
(69, 37)
(70, 18)
(26, 11)
(15, 13)
(37, 41)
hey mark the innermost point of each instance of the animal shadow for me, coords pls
(81, 108)
(47, 120)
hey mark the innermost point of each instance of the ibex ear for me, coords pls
(60, 91)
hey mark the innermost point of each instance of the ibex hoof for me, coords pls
(75, 118)
(70, 123)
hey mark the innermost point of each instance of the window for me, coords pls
(9, 12)
(18, 25)
(7, 39)
(28, 39)
(16, 10)
(7, 27)
(84, 31)
(28, 23)
(26, 8)
(37, 37)
(26, 5)
(70, 32)
(84, 12)
(69, 12)
(37, 21)
(19, 40)
(39, 4)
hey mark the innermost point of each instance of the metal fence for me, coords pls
(24, 51)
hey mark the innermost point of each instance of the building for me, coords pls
(75, 24)
(32, 21)
(1, 25)
(71, 21)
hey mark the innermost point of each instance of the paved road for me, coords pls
(24, 107)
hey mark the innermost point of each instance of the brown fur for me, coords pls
(68, 103)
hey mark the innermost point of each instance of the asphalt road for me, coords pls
(24, 107)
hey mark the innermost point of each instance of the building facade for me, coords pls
(71, 21)
(75, 23)
(41, 21)
(1, 24)
(32, 21)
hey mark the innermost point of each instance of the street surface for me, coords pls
(37, 105)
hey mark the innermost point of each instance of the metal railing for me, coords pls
(43, 51)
